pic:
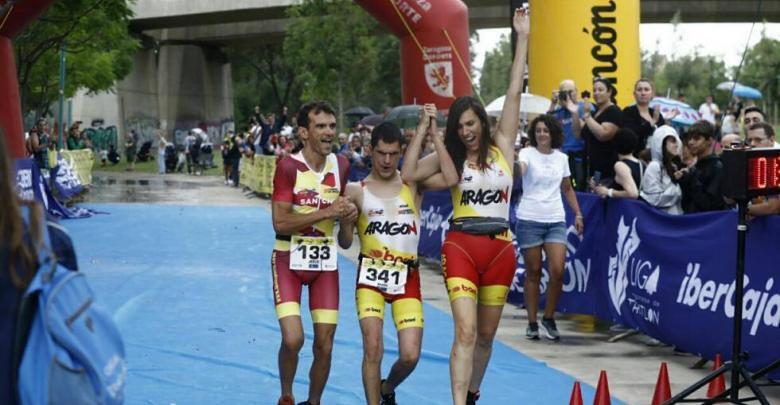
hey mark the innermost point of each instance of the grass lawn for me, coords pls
(151, 166)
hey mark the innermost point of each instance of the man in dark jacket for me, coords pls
(701, 183)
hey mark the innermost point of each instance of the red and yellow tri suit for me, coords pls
(308, 191)
(388, 230)
(480, 267)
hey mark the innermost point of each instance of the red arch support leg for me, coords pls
(16, 18)
(437, 73)
(10, 109)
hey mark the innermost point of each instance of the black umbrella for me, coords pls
(407, 116)
(359, 111)
(372, 120)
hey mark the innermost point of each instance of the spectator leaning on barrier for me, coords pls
(75, 142)
(564, 107)
(628, 169)
(641, 118)
(762, 135)
(40, 141)
(701, 183)
(600, 129)
(659, 187)
(752, 115)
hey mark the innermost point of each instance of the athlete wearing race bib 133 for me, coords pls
(388, 229)
(477, 258)
(306, 201)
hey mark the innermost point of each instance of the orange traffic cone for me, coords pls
(602, 391)
(718, 385)
(576, 394)
(662, 390)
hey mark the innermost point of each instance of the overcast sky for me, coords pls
(726, 41)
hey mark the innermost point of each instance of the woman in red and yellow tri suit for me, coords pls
(478, 259)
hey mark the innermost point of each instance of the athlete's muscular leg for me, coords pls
(488, 317)
(320, 366)
(464, 313)
(556, 260)
(533, 274)
(409, 343)
(373, 348)
(292, 341)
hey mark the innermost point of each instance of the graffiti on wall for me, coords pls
(215, 130)
(145, 127)
(100, 135)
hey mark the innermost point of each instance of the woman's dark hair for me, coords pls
(388, 133)
(22, 255)
(610, 88)
(672, 163)
(552, 124)
(625, 141)
(452, 141)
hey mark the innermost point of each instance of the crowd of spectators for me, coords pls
(638, 153)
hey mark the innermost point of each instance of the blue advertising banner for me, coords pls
(31, 186)
(65, 180)
(671, 277)
(435, 214)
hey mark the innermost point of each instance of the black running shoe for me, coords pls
(532, 331)
(472, 397)
(305, 403)
(387, 399)
(550, 329)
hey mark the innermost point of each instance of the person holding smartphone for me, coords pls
(565, 108)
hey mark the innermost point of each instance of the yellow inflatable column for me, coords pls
(582, 39)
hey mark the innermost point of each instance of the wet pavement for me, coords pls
(632, 365)
(133, 187)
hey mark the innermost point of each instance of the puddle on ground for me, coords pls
(107, 188)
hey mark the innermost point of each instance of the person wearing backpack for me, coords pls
(18, 262)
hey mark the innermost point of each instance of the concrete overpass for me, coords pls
(246, 22)
(186, 81)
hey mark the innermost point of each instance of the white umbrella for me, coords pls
(529, 104)
(686, 115)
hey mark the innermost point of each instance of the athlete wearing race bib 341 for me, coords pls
(388, 228)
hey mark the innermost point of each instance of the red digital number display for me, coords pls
(763, 173)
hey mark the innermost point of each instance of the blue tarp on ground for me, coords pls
(190, 288)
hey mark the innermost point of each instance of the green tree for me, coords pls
(99, 50)
(762, 71)
(495, 70)
(262, 76)
(330, 47)
(693, 76)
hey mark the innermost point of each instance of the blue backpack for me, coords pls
(74, 353)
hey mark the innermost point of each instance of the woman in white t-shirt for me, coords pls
(541, 219)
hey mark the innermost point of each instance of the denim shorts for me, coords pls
(531, 233)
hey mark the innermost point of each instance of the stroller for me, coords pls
(144, 154)
(170, 158)
(207, 155)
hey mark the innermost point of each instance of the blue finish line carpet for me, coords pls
(191, 290)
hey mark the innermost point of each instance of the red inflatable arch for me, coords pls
(434, 38)
(14, 16)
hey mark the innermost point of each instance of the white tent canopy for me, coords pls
(530, 104)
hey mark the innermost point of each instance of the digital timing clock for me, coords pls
(751, 172)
